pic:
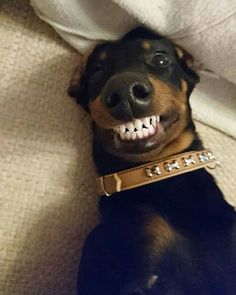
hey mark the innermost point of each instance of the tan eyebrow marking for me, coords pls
(103, 55)
(146, 45)
(179, 52)
(184, 86)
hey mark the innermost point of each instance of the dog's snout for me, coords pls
(127, 95)
(138, 91)
(112, 100)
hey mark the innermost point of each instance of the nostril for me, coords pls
(112, 100)
(140, 91)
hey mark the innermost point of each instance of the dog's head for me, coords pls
(137, 90)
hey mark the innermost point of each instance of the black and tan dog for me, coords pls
(172, 237)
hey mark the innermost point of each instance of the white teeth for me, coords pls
(139, 134)
(154, 121)
(122, 128)
(138, 129)
(117, 129)
(127, 135)
(145, 132)
(151, 130)
(133, 135)
(146, 122)
(130, 126)
(138, 124)
(122, 136)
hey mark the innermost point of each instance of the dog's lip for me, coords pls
(148, 143)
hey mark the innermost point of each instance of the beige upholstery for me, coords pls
(47, 194)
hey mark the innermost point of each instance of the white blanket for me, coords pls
(207, 29)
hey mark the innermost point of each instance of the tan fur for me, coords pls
(159, 235)
(146, 45)
(75, 80)
(179, 52)
(103, 55)
(152, 281)
(167, 97)
(178, 139)
(101, 116)
(187, 57)
(177, 145)
(184, 86)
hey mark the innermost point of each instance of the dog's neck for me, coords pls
(171, 197)
(107, 163)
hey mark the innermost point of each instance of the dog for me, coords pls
(175, 236)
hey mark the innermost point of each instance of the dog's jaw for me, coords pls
(171, 136)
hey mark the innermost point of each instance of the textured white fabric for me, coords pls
(204, 28)
(214, 103)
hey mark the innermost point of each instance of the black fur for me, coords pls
(201, 258)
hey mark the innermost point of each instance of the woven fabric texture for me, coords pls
(48, 202)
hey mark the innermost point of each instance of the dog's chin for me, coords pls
(139, 136)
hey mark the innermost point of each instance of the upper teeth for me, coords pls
(138, 129)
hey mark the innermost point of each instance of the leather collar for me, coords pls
(155, 171)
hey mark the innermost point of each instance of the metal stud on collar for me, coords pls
(189, 161)
(156, 171)
(170, 166)
(209, 157)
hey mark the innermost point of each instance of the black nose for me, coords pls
(127, 95)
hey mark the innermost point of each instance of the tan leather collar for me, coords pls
(155, 171)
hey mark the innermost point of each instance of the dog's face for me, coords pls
(137, 91)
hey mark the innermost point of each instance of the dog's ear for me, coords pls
(188, 65)
(78, 83)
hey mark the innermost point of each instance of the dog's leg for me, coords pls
(126, 256)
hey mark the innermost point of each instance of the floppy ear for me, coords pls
(188, 65)
(78, 83)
